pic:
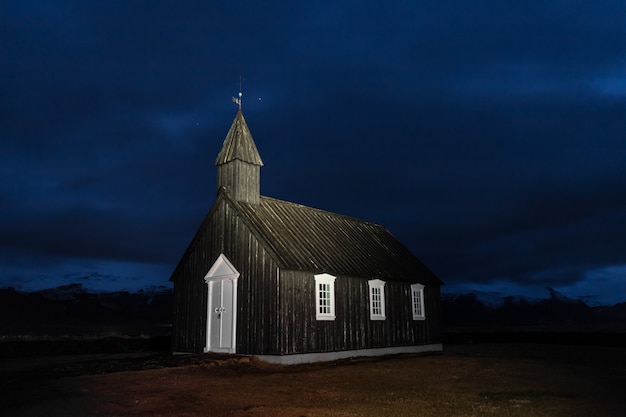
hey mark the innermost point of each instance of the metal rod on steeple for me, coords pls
(238, 99)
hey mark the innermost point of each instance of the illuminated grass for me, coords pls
(520, 395)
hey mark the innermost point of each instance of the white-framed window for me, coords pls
(417, 297)
(377, 299)
(324, 297)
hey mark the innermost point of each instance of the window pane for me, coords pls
(324, 298)
(376, 306)
(418, 302)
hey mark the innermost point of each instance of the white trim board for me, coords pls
(345, 354)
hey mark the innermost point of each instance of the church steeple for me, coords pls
(239, 163)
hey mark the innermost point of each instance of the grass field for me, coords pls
(464, 380)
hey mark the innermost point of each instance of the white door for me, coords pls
(221, 306)
(220, 316)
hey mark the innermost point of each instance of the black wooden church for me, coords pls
(291, 283)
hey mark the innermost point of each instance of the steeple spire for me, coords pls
(239, 163)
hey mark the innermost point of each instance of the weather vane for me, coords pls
(237, 100)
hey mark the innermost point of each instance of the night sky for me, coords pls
(489, 137)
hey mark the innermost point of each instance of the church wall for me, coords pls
(257, 312)
(190, 292)
(276, 309)
(352, 328)
(224, 232)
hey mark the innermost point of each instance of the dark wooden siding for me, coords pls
(190, 301)
(257, 307)
(190, 289)
(241, 179)
(276, 307)
(352, 327)
(257, 316)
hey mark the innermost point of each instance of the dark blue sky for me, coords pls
(489, 137)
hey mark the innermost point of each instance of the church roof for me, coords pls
(306, 238)
(239, 144)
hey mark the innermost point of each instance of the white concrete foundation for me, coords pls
(344, 354)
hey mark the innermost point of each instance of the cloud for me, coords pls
(488, 137)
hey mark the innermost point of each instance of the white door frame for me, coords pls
(221, 270)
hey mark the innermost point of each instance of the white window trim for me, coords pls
(377, 284)
(418, 314)
(330, 281)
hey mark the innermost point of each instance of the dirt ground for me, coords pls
(464, 380)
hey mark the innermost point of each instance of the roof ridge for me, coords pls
(264, 197)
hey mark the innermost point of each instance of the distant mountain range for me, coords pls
(555, 312)
(73, 311)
